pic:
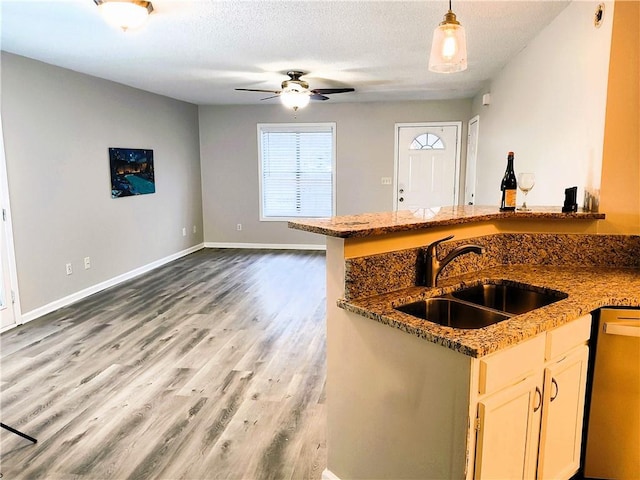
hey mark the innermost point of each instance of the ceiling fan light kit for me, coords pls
(449, 46)
(125, 14)
(295, 98)
(295, 92)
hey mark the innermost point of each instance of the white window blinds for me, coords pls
(297, 167)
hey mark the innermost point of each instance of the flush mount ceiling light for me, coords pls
(449, 46)
(125, 14)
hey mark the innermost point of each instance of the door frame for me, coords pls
(13, 296)
(396, 160)
(472, 160)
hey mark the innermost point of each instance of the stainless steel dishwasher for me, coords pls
(613, 435)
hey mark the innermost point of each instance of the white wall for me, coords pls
(58, 126)
(365, 153)
(548, 106)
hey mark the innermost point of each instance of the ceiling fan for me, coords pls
(295, 92)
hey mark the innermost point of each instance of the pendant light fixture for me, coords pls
(449, 46)
(125, 14)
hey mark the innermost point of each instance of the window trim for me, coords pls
(289, 127)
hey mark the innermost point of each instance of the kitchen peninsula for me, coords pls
(405, 396)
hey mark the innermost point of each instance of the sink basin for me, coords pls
(511, 298)
(451, 313)
(482, 305)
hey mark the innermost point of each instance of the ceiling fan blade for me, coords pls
(277, 92)
(317, 96)
(267, 98)
(329, 91)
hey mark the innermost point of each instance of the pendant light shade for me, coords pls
(125, 14)
(449, 46)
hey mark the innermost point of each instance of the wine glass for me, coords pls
(526, 181)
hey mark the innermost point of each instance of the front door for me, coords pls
(427, 165)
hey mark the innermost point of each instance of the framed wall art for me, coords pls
(131, 172)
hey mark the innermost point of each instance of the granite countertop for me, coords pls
(588, 289)
(370, 224)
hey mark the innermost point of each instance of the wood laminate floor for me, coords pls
(211, 367)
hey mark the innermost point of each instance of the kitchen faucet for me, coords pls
(435, 266)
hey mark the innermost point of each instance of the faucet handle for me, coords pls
(431, 249)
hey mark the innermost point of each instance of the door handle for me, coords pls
(401, 199)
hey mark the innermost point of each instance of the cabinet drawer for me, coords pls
(562, 339)
(511, 365)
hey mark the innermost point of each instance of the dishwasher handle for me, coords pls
(626, 328)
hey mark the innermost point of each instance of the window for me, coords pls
(427, 141)
(297, 170)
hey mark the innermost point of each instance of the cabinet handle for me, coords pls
(539, 395)
(553, 382)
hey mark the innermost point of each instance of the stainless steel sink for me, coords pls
(452, 313)
(482, 305)
(508, 297)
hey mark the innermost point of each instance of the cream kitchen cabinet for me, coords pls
(529, 424)
(509, 411)
(407, 408)
(562, 415)
(507, 440)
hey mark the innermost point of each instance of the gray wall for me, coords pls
(365, 153)
(58, 126)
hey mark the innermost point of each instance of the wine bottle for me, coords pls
(509, 187)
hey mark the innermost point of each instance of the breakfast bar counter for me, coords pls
(381, 223)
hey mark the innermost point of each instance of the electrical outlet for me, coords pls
(69, 269)
(385, 180)
(87, 263)
(184, 231)
(194, 229)
(239, 227)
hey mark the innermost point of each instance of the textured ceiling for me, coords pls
(199, 51)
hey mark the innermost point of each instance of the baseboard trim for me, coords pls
(74, 297)
(329, 475)
(266, 246)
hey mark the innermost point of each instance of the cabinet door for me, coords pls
(562, 415)
(508, 429)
